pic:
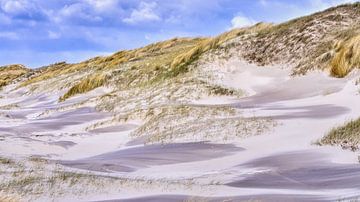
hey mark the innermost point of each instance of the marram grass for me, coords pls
(10, 73)
(89, 83)
(347, 135)
(347, 57)
(213, 43)
(148, 65)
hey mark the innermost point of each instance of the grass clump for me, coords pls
(6, 161)
(10, 73)
(347, 136)
(89, 83)
(219, 90)
(347, 57)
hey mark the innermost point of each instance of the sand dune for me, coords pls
(279, 164)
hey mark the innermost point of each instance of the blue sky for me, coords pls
(40, 32)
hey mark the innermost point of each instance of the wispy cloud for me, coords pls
(9, 35)
(103, 5)
(54, 35)
(144, 13)
(242, 21)
(22, 10)
(13, 7)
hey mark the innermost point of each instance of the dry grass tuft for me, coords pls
(10, 73)
(6, 161)
(7, 198)
(347, 136)
(347, 57)
(86, 85)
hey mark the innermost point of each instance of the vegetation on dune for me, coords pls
(170, 124)
(142, 66)
(347, 136)
(7, 198)
(151, 50)
(302, 23)
(213, 43)
(108, 62)
(155, 64)
(180, 63)
(347, 57)
(295, 30)
(135, 68)
(44, 180)
(305, 43)
(89, 83)
(152, 63)
(6, 161)
(54, 70)
(219, 90)
(10, 73)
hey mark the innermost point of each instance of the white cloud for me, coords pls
(242, 21)
(77, 10)
(28, 8)
(14, 6)
(27, 11)
(144, 13)
(9, 35)
(92, 11)
(102, 5)
(263, 2)
(54, 35)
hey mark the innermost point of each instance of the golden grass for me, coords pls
(10, 73)
(112, 61)
(140, 53)
(89, 83)
(56, 69)
(7, 198)
(213, 43)
(347, 57)
(165, 59)
(153, 63)
(140, 67)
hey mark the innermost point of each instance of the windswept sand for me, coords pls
(282, 164)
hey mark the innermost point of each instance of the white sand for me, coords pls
(305, 107)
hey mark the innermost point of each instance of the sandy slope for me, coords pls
(278, 165)
(307, 107)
